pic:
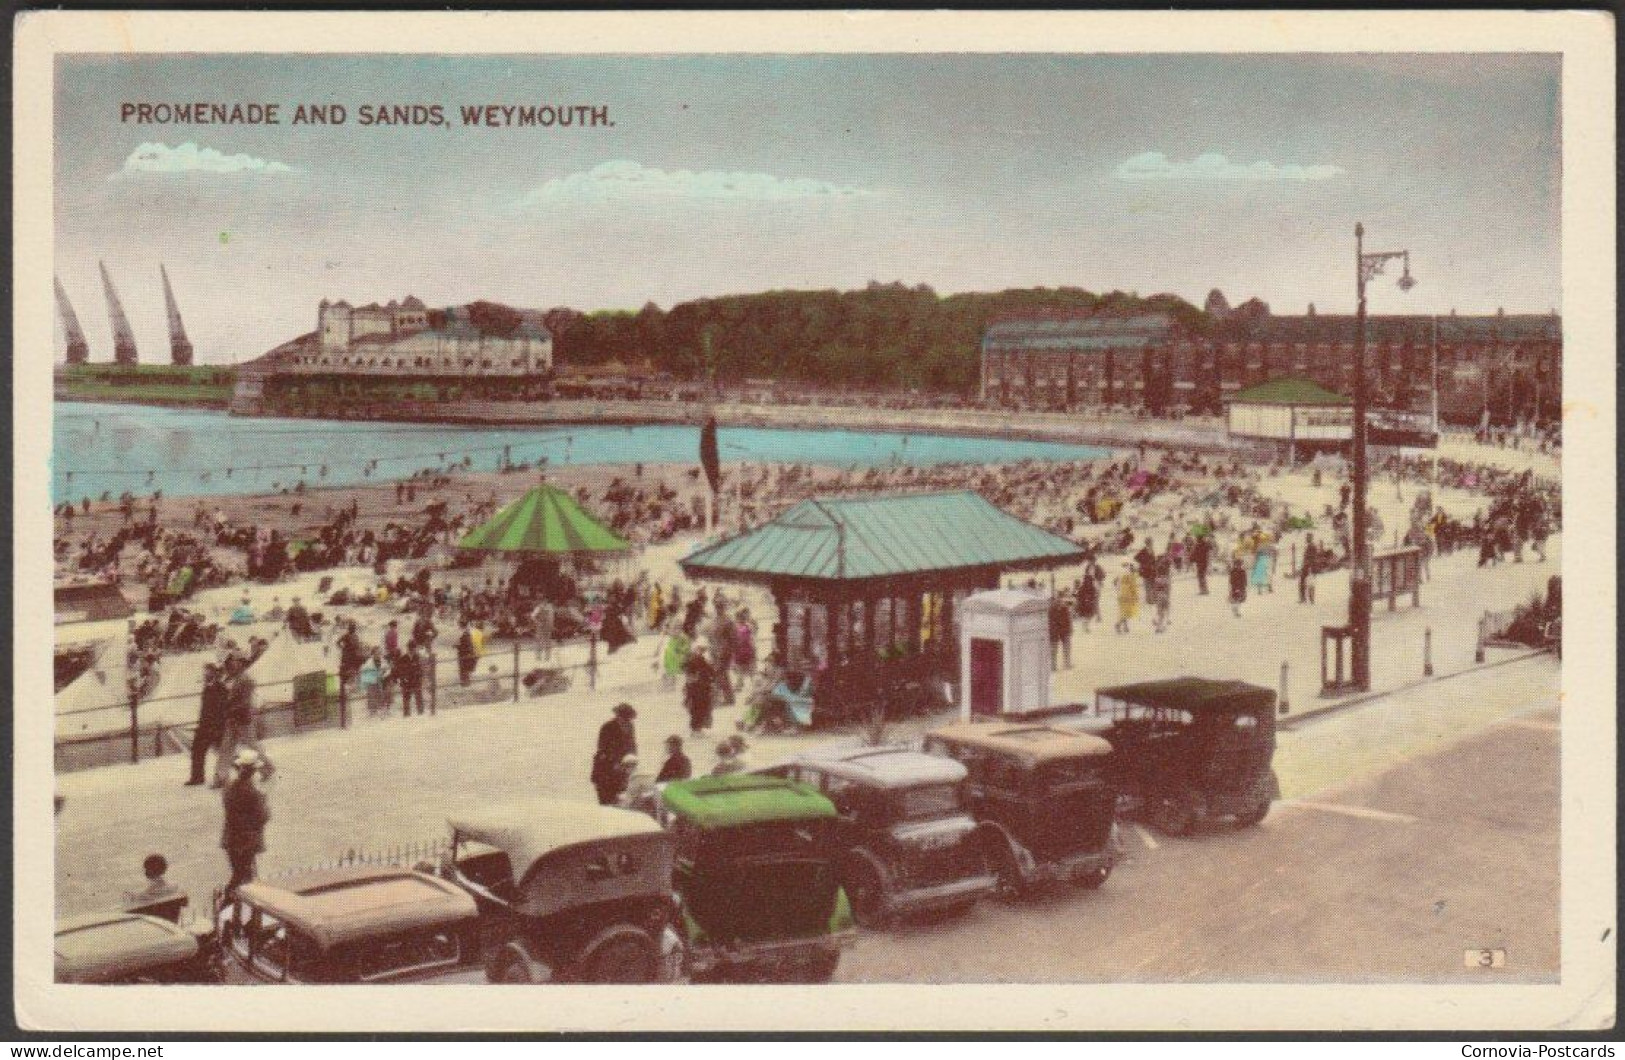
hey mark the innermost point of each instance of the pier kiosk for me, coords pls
(1005, 654)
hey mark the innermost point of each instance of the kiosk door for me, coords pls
(986, 676)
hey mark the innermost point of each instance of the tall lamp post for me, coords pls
(1366, 266)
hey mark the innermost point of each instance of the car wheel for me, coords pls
(1175, 815)
(512, 963)
(819, 968)
(867, 895)
(1093, 880)
(619, 954)
(1262, 796)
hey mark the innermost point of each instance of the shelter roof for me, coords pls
(849, 539)
(1288, 391)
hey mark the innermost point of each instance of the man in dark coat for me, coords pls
(1060, 632)
(467, 657)
(617, 744)
(298, 620)
(351, 655)
(1201, 555)
(698, 687)
(211, 722)
(409, 675)
(246, 813)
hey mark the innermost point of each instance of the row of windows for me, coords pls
(417, 362)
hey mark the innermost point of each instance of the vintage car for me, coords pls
(373, 924)
(125, 947)
(758, 876)
(569, 892)
(909, 844)
(1193, 749)
(1046, 797)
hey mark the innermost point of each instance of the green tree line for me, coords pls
(885, 335)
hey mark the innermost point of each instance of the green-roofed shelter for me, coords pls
(861, 578)
(547, 520)
(1290, 392)
(1292, 414)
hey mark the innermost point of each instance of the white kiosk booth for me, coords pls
(1004, 653)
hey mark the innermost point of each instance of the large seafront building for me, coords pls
(481, 346)
(1511, 364)
(405, 339)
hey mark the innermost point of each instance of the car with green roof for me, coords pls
(758, 878)
(909, 843)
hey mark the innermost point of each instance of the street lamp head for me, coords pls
(1406, 282)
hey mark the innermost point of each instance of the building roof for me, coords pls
(849, 539)
(882, 767)
(1079, 333)
(1033, 743)
(335, 906)
(1288, 391)
(1417, 330)
(1194, 694)
(528, 830)
(742, 799)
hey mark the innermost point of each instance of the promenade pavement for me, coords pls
(392, 781)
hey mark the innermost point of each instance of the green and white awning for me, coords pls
(545, 520)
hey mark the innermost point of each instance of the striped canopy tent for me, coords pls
(545, 521)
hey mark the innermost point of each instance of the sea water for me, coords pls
(113, 448)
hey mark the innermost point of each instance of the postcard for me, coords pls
(814, 521)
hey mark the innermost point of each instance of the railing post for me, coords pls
(592, 661)
(1293, 573)
(1283, 702)
(1427, 652)
(516, 669)
(434, 683)
(344, 703)
(1478, 653)
(135, 726)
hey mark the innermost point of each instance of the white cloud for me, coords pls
(1154, 165)
(190, 158)
(622, 180)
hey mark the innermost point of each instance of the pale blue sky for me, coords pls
(732, 174)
